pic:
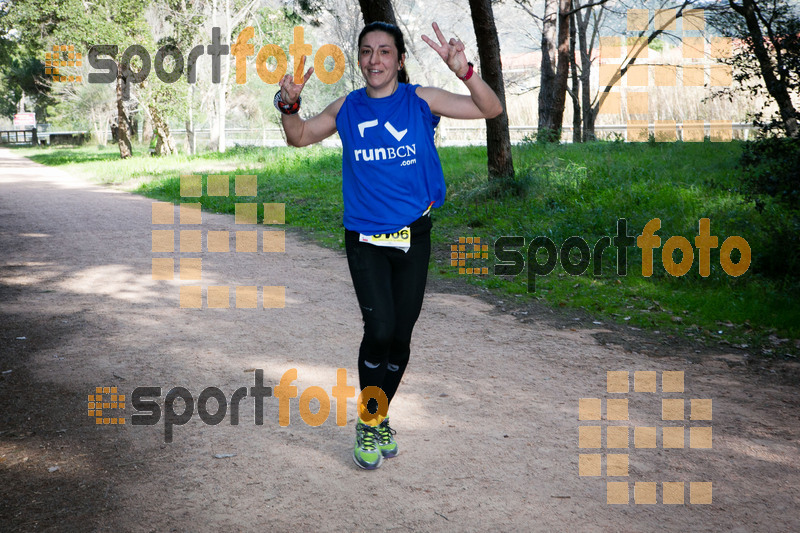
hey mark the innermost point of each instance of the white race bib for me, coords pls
(400, 239)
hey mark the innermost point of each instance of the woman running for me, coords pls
(391, 178)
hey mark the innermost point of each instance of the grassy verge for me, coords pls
(560, 191)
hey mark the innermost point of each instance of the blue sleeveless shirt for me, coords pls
(390, 168)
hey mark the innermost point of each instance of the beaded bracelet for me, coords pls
(283, 107)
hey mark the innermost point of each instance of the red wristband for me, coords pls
(468, 75)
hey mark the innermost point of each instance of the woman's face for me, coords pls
(378, 60)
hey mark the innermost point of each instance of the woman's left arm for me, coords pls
(482, 101)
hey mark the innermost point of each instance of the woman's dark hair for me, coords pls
(399, 43)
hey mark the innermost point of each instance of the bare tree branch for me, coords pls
(579, 8)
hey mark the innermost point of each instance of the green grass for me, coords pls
(560, 191)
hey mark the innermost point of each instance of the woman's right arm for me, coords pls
(301, 132)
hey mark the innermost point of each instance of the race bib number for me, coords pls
(399, 239)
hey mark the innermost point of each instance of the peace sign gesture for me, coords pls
(452, 52)
(290, 89)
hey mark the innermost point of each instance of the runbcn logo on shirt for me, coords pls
(377, 154)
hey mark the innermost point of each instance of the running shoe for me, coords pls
(366, 452)
(386, 442)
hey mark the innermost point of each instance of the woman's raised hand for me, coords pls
(452, 52)
(290, 90)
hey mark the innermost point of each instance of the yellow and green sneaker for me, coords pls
(386, 441)
(366, 452)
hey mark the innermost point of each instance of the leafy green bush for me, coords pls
(772, 169)
(771, 179)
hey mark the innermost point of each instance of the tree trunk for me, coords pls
(123, 128)
(576, 103)
(377, 11)
(562, 70)
(98, 127)
(222, 88)
(221, 117)
(134, 120)
(589, 113)
(99, 131)
(213, 130)
(498, 141)
(147, 130)
(188, 144)
(191, 145)
(548, 71)
(232, 21)
(776, 88)
(165, 145)
(217, 129)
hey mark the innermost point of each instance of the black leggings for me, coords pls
(390, 285)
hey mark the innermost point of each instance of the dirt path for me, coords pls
(487, 415)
